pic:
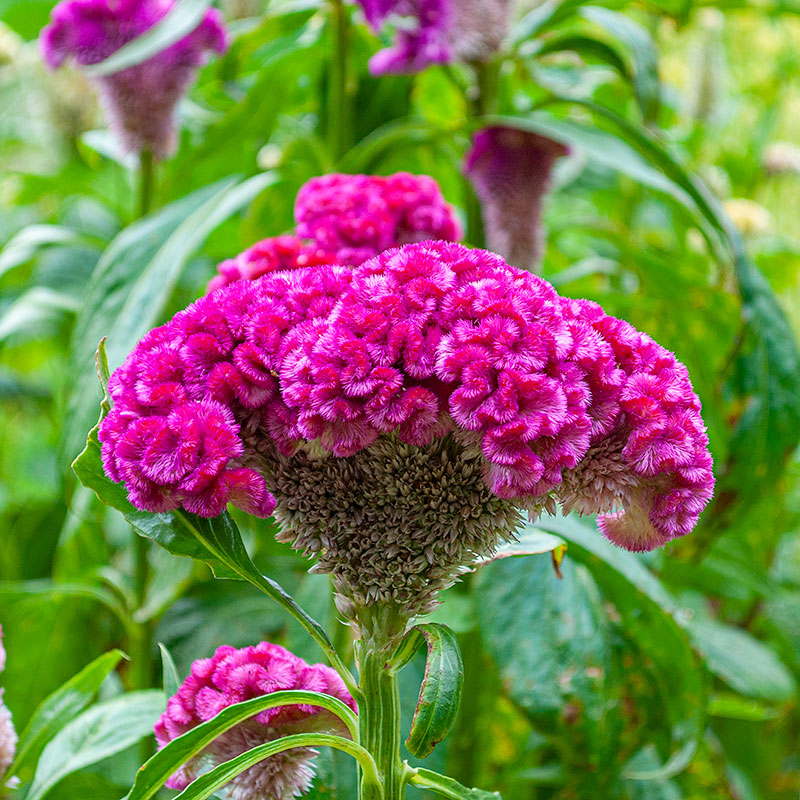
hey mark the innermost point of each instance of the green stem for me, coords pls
(339, 115)
(147, 182)
(379, 712)
(141, 646)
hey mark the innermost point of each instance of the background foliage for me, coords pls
(668, 676)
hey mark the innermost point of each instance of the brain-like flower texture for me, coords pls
(232, 676)
(402, 413)
(355, 217)
(140, 100)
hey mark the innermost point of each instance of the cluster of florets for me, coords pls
(257, 390)
(232, 676)
(358, 216)
(140, 100)
(437, 31)
(8, 735)
(347, 219)
(510, 169)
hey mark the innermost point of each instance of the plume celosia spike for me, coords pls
(510, 169)
(139, 101)
(232, 676)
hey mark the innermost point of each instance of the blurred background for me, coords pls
(672, 675)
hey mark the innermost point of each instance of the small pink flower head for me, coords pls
(437, 31)
(355, 217)
(2, 651)
(232, 676)
(139, 101)
(270, 255)
(510, 170)
(8, 735)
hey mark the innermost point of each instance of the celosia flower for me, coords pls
(356, 217)
(8, 736)
(232, 676)
(140, 100)
(510, 169)
(402, 414)
(270, 255)
(437, 31)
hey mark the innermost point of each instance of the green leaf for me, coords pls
(178, 22)
(586, 46)
(528, 543)
(37, 313)
(134, 279)
(732, 706)
(155, 772)
(645, 54)
(101, 731)
(25, 244)
(440, 693)
(171, 682)
(742, 661)
(652, 618)
(447, 787)
(60, 706)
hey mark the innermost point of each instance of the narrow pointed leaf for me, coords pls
(447, 787)
(440, 693)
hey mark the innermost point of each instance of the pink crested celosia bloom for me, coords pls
(355, 217)
(232, 676)
(270, 255)
(8, 735)
(402, 413)
(139, 101)
(510, 170)
(437, 31)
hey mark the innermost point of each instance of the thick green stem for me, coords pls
(141, 644)
(379, 711)
(147, 174)
(339, 117)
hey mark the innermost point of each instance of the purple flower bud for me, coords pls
(437, 31)
(232, 676)
(139, 101)
(510, 170)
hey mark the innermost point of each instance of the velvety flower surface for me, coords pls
(232, 676)
(402, 413)
(270, 255)
(356, 217)
(437, 31)
(510, 170)
(140, 100)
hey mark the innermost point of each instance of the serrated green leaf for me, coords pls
(60, 706)
(101, 731)
(440, 693)
(155, 772)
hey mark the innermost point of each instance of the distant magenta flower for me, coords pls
(8, 735)
(510, 169)
(231, 676)
(358, 216)
(402, 413)
(437, 31)
(270, 255)
(139, 101)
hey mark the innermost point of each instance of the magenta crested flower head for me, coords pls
(270, 255)
(356, 217)
(139, 101)
(510, 170)
(232, 676)
(397, 417)
(437, 31)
